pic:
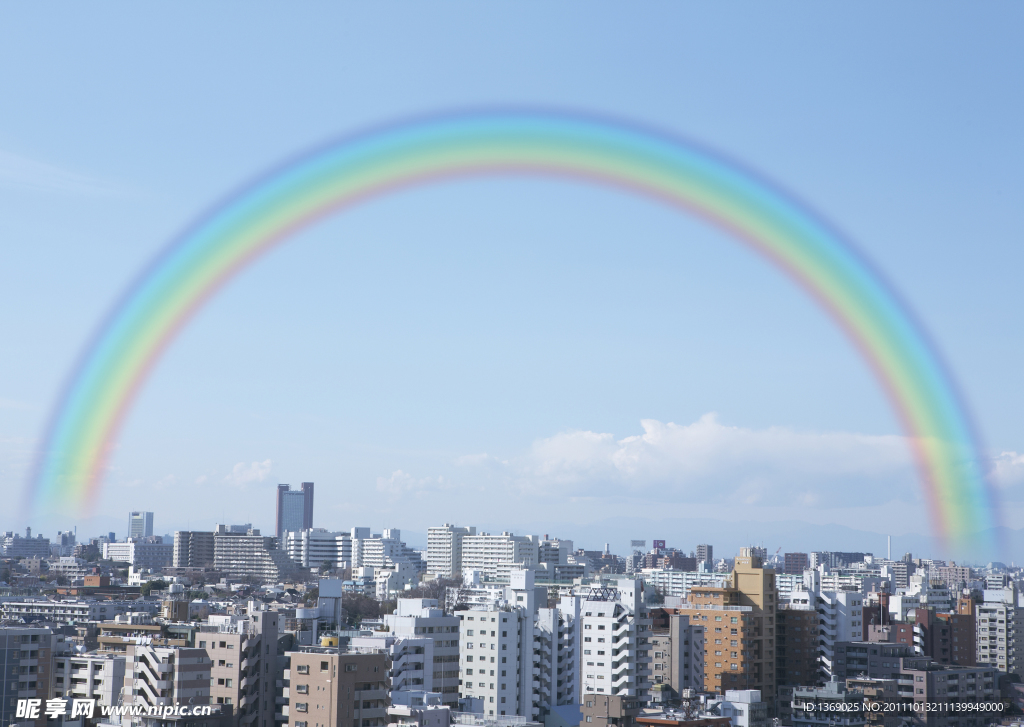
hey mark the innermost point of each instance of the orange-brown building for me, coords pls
(739, 628)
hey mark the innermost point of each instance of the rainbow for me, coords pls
(127, 345)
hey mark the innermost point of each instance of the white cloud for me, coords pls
(1008, 471)
(708, 461)
(401, 484)
(244, 474)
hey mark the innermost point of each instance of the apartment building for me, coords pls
(496, 556)
(677, 656)
(164, 676)
(27, 654)
(490, 657)
(678, 583)
(444, 550)
(417, 618)
(193, 549)
(411, 660)
(926, 684)
(325, 688)
(796, 646)
(518, 658)
(615, 626)
(313, 547)
(739, 628)
(242, 653)
(250, 555)
(89, 676)
(140, 524)
(141, 553)
(603, 710)
(795, 563)
(1000, 630)
(841, 616)
(834, 698)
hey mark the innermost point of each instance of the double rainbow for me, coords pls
(185, 276)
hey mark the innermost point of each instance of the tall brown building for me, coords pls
(739, 629)
(328, 689)
(796, 563)
(796, 646)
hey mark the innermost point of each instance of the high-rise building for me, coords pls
(242, 655)
(331, 689)
(615, 653)
(444, 550)
(139, 553)
(739, 628)
(313, 547)
(162, 676)
(140, 524)
(1000, 625)
(705, 553)
(193, 549)
(496, 556)
(28, 653)
(294, 508)
(517, 658)
(250, 555)
(677, 653)
(796, 563)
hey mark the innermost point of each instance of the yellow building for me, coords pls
(739, 628)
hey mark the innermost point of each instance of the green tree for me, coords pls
(149, 586)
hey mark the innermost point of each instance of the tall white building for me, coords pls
(313, 547)
(421, 618)
(140, 524)
(444, 549)
(842, 617)
(1000, 625)
(678, 583)
(140, 554)
(496, 556)
(517, 658)
(615, 626)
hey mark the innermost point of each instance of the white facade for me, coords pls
(89, 676)
(313, 547)
(444, 549)
(615, 626)
(496, 556)
(842, 617)
(140, 524)
(518, 659)
(743, 707)
(139, 553)
(412, 660)
(1000, 628)
(421, 618)
(391, 581)
(678, 583)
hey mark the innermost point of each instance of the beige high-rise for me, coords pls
(739, 628)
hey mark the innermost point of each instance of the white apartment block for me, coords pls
(444, 550)
(677, 583)
(496, 556)
(139, 553)
(519, 659)
(316, 546)
(421, 618)
(615, 624)
(1000, 628)
(412, 659)
(71, 610)
(250, 555)
(165, 676)
(842, 616)
(89, 676)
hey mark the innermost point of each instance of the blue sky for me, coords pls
(509, 353)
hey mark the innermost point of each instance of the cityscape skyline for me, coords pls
(578, 350)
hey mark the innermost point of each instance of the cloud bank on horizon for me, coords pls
(704, 462)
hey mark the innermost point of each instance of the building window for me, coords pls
(304, 668)
(302, 689)
(348, 667)
(301, 707)
(324, 665)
